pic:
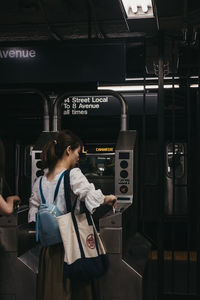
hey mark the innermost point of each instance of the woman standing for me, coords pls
(59, 155)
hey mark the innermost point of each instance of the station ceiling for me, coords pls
(69, 20)
(35, 20)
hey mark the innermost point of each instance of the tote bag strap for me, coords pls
(78, 234)
(67, 190)
(57, 186)
(72, 209)
(56, 190)
(95, 236)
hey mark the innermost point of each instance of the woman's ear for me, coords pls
(68, 150)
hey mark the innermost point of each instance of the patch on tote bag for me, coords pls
(90, 241)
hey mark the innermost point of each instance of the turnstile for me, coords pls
(127, 257)
(127, 250)
(18, 257)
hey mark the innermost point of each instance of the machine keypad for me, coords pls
(124, 174)
(39, 164)
(39, 173)
(123, 164)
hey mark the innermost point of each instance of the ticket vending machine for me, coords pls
(127, 250)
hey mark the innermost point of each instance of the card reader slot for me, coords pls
(123, 198)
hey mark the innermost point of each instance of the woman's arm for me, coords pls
(87, 192)
(6, 207)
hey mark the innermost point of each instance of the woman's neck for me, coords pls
(59, 167)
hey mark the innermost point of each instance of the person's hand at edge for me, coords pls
(13, 198)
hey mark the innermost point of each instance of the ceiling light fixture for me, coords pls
(137, 87)
(151, 78)
(136, 9)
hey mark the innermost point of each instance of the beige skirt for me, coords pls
(50, 285)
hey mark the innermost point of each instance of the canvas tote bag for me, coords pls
(85, 255)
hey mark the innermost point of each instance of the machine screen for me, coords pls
(96, 165)
(37, 155)
(123, 155)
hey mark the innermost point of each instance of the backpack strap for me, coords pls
(58, 185)
(56, 190)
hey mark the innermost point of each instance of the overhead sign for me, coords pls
(107, 105)
(97, 61)
(17, 53)
(83, 105)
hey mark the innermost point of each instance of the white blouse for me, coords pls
(79, 186)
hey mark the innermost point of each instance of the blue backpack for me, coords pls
(47, 230)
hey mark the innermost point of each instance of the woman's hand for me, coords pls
(13, 198)
(110, 200)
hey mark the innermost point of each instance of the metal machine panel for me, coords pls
(111, 220)
(114, 244)
(124, 174)
(17, 279)
(36, 165)
(124, 167)
(125, 281)
(8, 239)
(127, 250)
